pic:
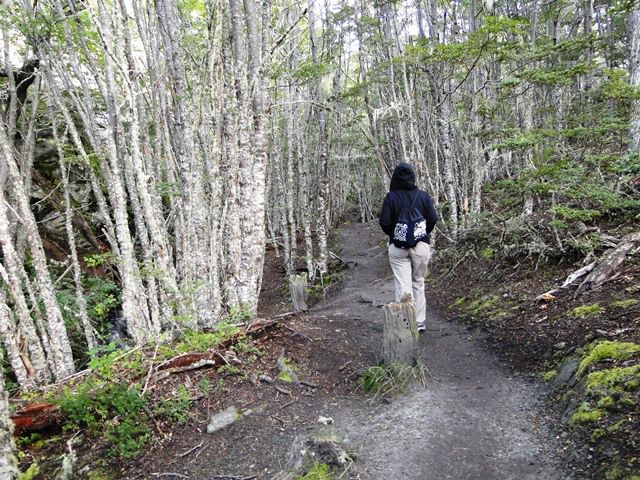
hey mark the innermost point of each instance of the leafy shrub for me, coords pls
(176, 408)
(116, 409)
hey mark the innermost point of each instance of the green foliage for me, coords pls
(487, 253)
(232, 370)
(205, 386)
(616, 380)
(482, 305)
(192, 341)
(318, 471)
(569, 213)
(115, 409)
(176, 408)
(32, 440)
(309, 70)
(30, 473)
(388, 380)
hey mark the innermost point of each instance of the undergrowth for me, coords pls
(383, 381)
(112, 402)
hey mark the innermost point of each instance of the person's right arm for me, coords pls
(429, 212)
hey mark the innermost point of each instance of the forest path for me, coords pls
(474, 420)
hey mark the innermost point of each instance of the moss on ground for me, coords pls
(625, 304)
(585, 311)
(614, 380)
(318, 471)
(482, 305)
(585, 414)
(608, 394)
(606, 350)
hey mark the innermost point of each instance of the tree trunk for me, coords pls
(634, 66)
(8, 463)
(59, 348)
(298, 291)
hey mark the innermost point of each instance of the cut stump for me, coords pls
(400, 333)
(298, 290)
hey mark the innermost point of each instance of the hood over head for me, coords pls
(403, 178)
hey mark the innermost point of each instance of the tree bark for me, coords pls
(8, 462)
(634, 66)
(400, 333)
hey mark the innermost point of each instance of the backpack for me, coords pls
(410, 228)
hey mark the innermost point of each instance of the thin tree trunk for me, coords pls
(634, 65)
(8, 463)
(60, 346)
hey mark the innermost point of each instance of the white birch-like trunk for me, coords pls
(59, 347)
(8, 462)
(322, 218)
(634, 66)
(448, 167)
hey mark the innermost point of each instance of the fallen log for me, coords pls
(570, 280)
(35, 417)
(607, 267)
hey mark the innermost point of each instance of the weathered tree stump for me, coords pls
(400, 333)
(298, 290)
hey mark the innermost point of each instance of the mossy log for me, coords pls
(400, 333)
(298, 290)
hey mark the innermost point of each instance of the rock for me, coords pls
(325, 420)
(265, 378)
(223, 419)
(567, 372)
(560, 345)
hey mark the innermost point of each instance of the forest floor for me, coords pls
(476, 418)
(484, 412)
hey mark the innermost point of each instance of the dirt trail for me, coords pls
(475, 420)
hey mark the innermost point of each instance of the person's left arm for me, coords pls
(386, 216)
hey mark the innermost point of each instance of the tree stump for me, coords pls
(400, 333)
(298, 290)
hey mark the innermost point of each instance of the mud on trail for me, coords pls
(475, 419)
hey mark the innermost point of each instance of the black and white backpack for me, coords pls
(410, 228)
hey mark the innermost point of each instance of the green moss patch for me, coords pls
(585, 311)
(483, 305)
(586, 414)
(607, 350)
(616, 380)
(624, 304)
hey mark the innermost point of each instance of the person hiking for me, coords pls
(408, 217)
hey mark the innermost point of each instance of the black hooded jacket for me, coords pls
(403, 184)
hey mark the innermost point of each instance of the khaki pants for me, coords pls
(409, 269)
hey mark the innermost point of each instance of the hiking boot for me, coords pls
(421, 327)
